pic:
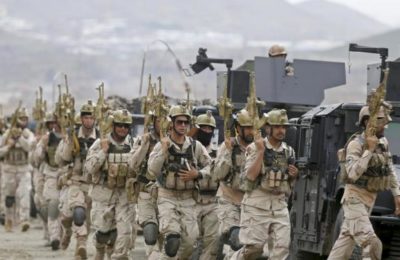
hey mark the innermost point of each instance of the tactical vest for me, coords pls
(232, 179)
(16, 156)
(142, 175)
(377, 176)
(85, 144)
(117, 165)
(54, 140)
(176, 161)
(207, 186)
(276, 176)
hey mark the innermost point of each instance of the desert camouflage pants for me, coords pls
(178, 215)
(356, 229)
(52, 195)
(257, 226)
(76, 195)
(147, 213)
(111, 210)
(209, 227)
(16, 181)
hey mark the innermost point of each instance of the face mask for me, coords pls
(204, 138)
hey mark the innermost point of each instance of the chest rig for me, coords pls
(54, 140)
(117, 165)
(16, 156)
(85, 144)
(206, 185)
(276, 176)
(376, 178)
(232, 179)
(142, 175)
(176, 161)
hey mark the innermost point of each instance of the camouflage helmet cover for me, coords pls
(88, 108)
(23, 112)
(122, 116)
(364, 112)
(179, 110)
(50, 117)
(276, 117)
(243, 118)
(206, 119)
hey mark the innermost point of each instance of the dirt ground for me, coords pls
(31, 245)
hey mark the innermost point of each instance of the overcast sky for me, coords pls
(385, 11)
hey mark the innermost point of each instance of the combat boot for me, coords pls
(67, 232)
(25, 226)
(8, 225)
(80, 250)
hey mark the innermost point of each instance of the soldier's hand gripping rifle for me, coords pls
(161, 111)
(13, 132)
(225, 108)
(39, 112)
(375, 100)
(103, 118)
(147, 104)
(253, 104)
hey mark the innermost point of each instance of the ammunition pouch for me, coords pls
(118, 168)
(16, 156)
(132, 190)
(207, 185)
(172, 181)
(375, 179)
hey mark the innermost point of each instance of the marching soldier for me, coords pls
(280, 51)
(177, 161)
(44, 155)
(227, 168)
(369, 169)
(112, 214)
(75, 203)
(16, 177)
(267, 179)
(206, 195)
(146, 204)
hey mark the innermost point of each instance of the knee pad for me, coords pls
(234, 238)
(112, 236)
(150, 233)
(172, 243)
(53, 210)
(375, 248)
(79, 216)
(102, 237)
(10, 200)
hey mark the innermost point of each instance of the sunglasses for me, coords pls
(120, 125)
(182, 122)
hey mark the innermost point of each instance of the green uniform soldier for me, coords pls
(369, 169)
(75, 203)
(177, 161)
(267, 178)
(112, 214)
(16, 176)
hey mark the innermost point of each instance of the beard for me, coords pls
(248, 139)
(204, 138)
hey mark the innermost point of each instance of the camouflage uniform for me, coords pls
(359, 197)
(44, 155)
(226, 169)
(16, 177)
(113, 213)
(264, 206)
(146, 197)
(74, 194)
(176, 206)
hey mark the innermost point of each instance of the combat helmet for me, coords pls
(243, 118)
(179, 110)
(88, 108)
(122, 116)
(206, 119)
(23, 112)
(50, 117)
(276, 50)
(364, 112)
(276, 117)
